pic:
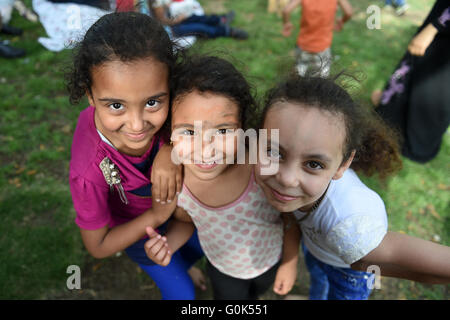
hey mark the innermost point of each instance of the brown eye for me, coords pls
(314, 165)
(116, 106)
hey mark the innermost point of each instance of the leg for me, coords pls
(173, 281)
(212, 20)
(348, 284)
(318, 289)
(262, 283)
(199, 29)
(226, 287)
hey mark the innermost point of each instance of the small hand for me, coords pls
(157, 248)
(285, 278)
(287, 29)
(166, 177)
(339, 25)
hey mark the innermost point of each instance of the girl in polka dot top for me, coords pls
(242, 236)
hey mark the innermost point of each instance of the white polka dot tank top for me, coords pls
(243, 239)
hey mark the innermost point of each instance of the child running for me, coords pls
(313, 50)
(241, 234)
(324, 139)
(123, 65)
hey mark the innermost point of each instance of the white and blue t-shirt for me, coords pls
(349, 223)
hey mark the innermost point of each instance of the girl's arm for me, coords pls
(422, 40)
(287, 272)
(286, 15)
(166, 176)
(104, 242)
(407, 257)
(347, 11)
(159, 248)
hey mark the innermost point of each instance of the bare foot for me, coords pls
(197, 277)
(376, 97)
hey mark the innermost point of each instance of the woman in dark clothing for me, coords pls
(416, 100)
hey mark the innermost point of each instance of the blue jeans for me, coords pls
(208, 26)
(395, 3)
(173, 281)
(333, 283)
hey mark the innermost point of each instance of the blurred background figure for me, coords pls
(317, 23)
(7, 51)
(183, 20)
(416, 100)
(400, 6)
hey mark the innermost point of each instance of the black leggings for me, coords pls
(228, 288)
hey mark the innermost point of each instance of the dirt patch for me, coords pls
(118, 278)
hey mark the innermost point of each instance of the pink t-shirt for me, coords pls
(243, 239)
(95, 205)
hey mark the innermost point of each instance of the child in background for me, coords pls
(400, 6)
(313, 51)
(123, 65)
(188, 23)
(241, 234)
(324, 139)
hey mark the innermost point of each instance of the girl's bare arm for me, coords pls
(106, 241)
(407, 257)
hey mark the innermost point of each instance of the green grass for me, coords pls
(38, 238)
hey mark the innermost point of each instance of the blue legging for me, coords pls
(173, 280)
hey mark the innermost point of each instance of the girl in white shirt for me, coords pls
(324, 137)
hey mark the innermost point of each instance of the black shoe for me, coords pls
(13, 31)
(6, 51)
(238, 33)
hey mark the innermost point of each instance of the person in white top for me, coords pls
(241, 235)
(324, 138)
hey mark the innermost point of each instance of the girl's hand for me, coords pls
(285, 278)
(422, 40)
(287, 29)
(166, 177)
(157, 248)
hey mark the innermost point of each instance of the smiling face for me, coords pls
(203, 126)
(309, 153)
(131, 102)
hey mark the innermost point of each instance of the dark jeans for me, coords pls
(228, 288)
(208, 26)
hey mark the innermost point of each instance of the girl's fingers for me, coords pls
(179, 182)
(171, 190)
(156, 187)
(163, 190)
(151, 232)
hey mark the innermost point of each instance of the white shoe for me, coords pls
(401, 10)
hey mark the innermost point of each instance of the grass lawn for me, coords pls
(38, 237)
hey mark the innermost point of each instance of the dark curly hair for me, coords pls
(376, 144)
(122, 36)
(210, 74)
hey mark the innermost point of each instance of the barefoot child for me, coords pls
(324, 139)
(241, 234)
(123, 65)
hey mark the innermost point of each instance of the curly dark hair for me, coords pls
(210, 74)
(376, 144)
(122, 36)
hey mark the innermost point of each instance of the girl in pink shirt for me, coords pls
(123, 65)
(241, 234)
